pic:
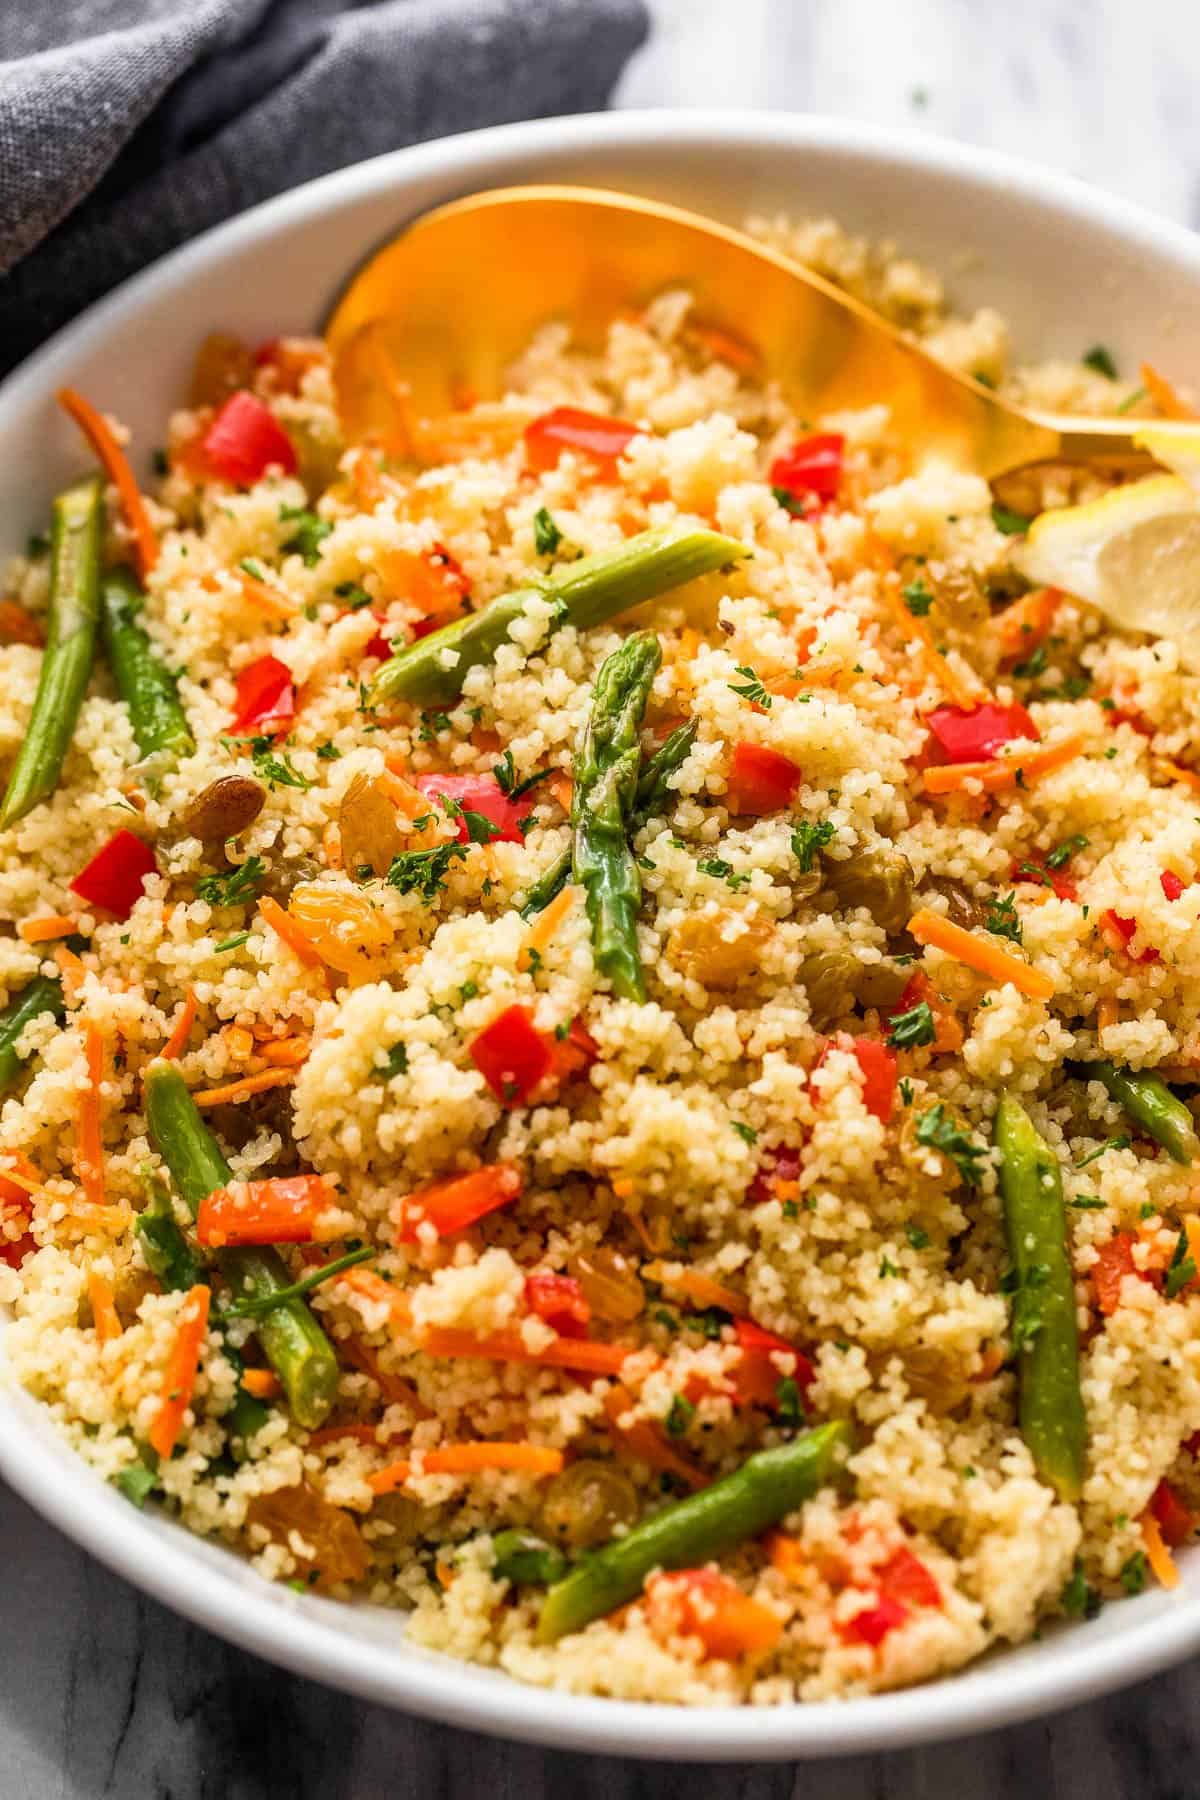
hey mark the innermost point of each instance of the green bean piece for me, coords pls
(652, 796)
(168, 1254)
(144, 682)
(42, 995)
(295, 1345)
(1150, 1103)
(75, 541)
(526, 1560)
(607, 762)
(586, 593)
(739, 1506)
(1044, 1335)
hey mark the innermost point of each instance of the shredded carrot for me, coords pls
(369, 1285)
(179, 1378)
(358, 1434)
(988, 959)
(913, 629)
(234, 1091)
(546, 924)
(286, 1053)
(104, 1312)
(1177, 772)
(181, 1030)
(1157, 1555)
(724, 346)
(21, 1173)
(1107, 1014)
(293, 935)
(238, 1041)
(787, 1555)
(579, 1354)
(644, 1441)
(89, 1142)
(268, 599)
(71, 968)
(99, 434)
(42, 930)
(262, 1383)
(562, 787)
(653, 1245)
(1025, 624)
(395, 1390)
(1163, 394)
(467, 1459)
(1003, 771)
(698, 1287)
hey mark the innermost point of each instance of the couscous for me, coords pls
(603, 1014)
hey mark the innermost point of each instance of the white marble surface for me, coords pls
(104, 1695)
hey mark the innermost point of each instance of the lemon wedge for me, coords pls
(1134, 553)
(1175, 449)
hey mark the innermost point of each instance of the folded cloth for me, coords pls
(127, 126)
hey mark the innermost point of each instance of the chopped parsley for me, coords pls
(808, 839)
(908, 1029)
(1086, 1203)
(1113, 1143)
(1027, 1318)
(328, 752)
(747, 1133)
(1132, 400)
(480, 829)
(1033, 665)
(395, 1063)
(423, 872)
(723, 871)
(917, 598)
(546, 535)
(1078, 1600)
(1133, 1573)
(1001, 918)
(279, 771)
(239, 885)
(356, 597)
(1007, 521)
(680, 1416)
(1181, 1269)
(887, 1267)
(917, 1236)
(906, 1092)
(137, 1483)
(1100, 358)
(310, 531)
(1062, 853)
(937, 1130)
(791, 503)
(752, 688)
(789, 1407)
(231, 943)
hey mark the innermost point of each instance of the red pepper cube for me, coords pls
(570, 428)
(1121, 932)
(777, 1165)
(811, 469)
(512, 1055)
(872, 1624)
(1114, 1262)
(761, 781)
(1172, 887)
(1175, 1520)
(115, 877)
(904, 1577)
(245, 440)
(265, 695)
(877, 1065)
(481, 794)
(575, 1053)
(757, 1376)
(979, 733)
(560, 1301)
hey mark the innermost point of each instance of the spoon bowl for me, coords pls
(433, 321)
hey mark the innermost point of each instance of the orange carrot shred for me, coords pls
(546, 924)
(1003, 771)
(268, 599)
(262, 1383)
(181, 1030)
(1157, 1555)
(104, 1312)
(72, 969)
(97, 431)
(579, 1354)
(46, 927)
(1025, 624)
(988, 959)
(179, 1378)
(293, 935)
(644, 1441)
(1163, 394)
(961, 692)
(369, 1285)
(233, 1091)
(468, 1459)
(89, 1141)
(286, 1053)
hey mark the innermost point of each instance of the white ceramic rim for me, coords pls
(302, 1635)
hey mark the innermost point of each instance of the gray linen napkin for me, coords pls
(127, 126)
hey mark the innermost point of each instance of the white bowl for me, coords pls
(1070, 267)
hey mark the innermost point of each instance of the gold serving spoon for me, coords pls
(436, 317)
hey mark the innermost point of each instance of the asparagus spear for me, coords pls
(606, 773)
(295, 1344)
(76, 532)
(1151, 1104)
(1044, 1333)
(43, 994)
(739, 1506)
(146, 685)
(652, 795)
(587, 592)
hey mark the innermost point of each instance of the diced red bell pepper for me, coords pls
(266, 695)
(760, 780)
(1172, 887)
(1176, 1521)
(281, 1209)
(1115, 1262)
(878, 1066)
(512, 1055)
(1059, 883)
(757, 1377)
(575, 1054)
(778, 1165)
(980, 732)
(478, 794)
(904, 1577)
(705, 1604)
(811, 469)
(16, 1215)
(245, 440)
(115, 878)
(1121, 933)
(872, 1624)
(560, 1301)
(379, 645)
(571, 428)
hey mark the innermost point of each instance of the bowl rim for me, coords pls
(300, 1634)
